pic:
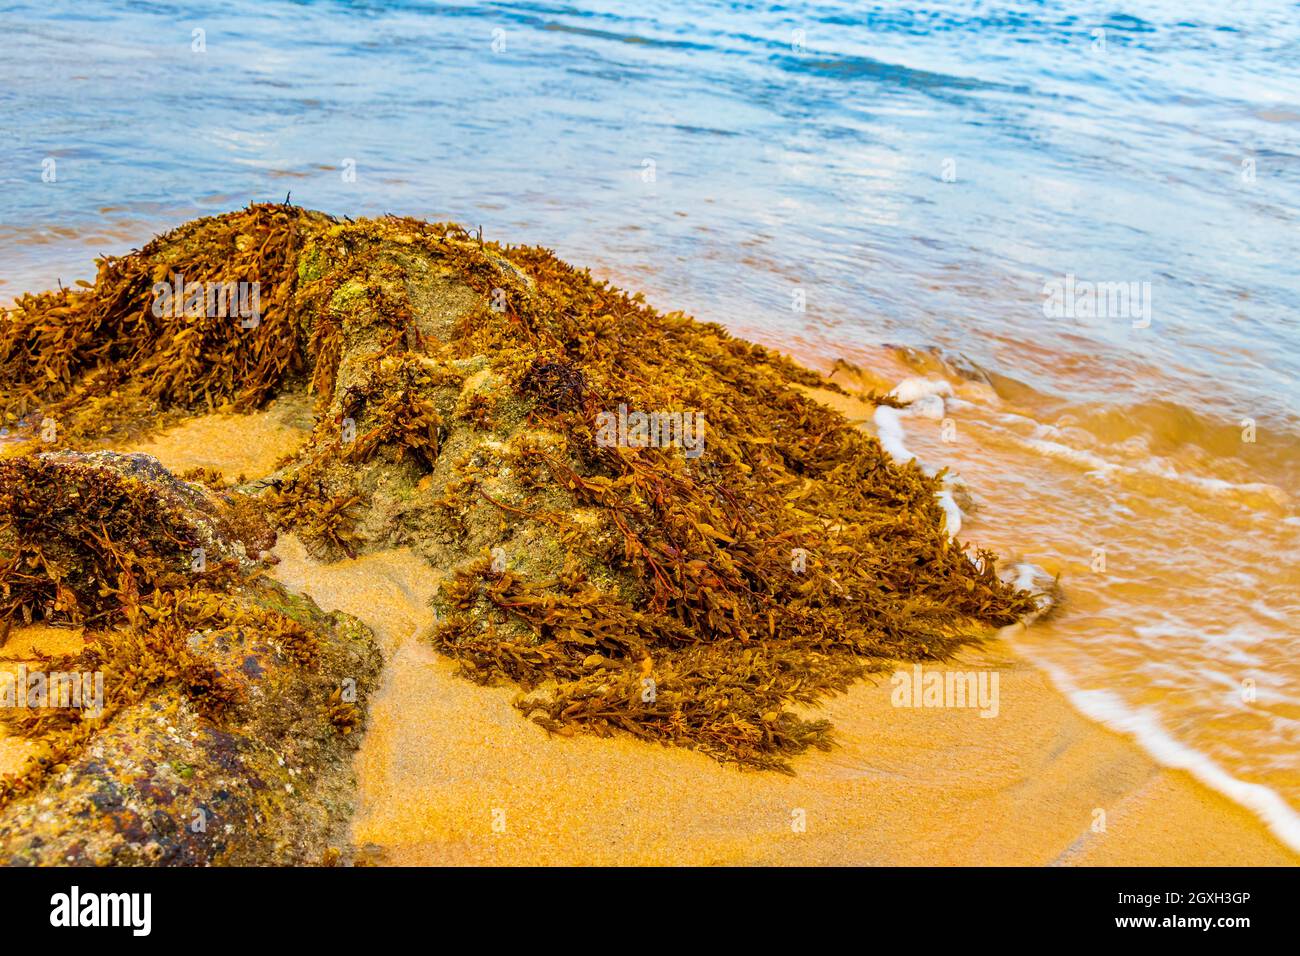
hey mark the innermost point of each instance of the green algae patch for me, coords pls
(649, 528)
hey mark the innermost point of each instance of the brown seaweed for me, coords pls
(142, 561)
(460, 387)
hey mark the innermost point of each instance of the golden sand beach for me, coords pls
(445, 761)
(450, 773)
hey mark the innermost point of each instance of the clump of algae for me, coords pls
(459, 386)
(96, 360)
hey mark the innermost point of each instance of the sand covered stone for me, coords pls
(729, 553)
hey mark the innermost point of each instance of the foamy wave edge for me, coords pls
(1100, 706)
(1143, 726)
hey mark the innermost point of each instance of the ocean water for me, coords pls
(895, 184)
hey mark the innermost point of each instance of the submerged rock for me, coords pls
(648, 526)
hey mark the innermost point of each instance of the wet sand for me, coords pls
(24, 646)
(234, 445)
(450, 773)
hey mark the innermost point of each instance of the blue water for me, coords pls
(782, 160)
(915, 172)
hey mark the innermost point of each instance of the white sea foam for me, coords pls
(1143, 725)
(1235, 646)
(1030, 577)
(951, 512)
(1160, 468)
(931, 407)
(1077, 456)
(1106, 469)
(889, 430)
(913, 389)
(927, 397)
(1230, 646)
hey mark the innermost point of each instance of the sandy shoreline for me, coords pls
(450, 773)
(445, 759)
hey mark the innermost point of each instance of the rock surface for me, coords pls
(226, 739)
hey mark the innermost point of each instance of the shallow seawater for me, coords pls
(1180, 572)
(829, 178)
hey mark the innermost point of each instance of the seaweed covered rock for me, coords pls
(650, 528)
(153, 530)
(161, 332)
(221, 729)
